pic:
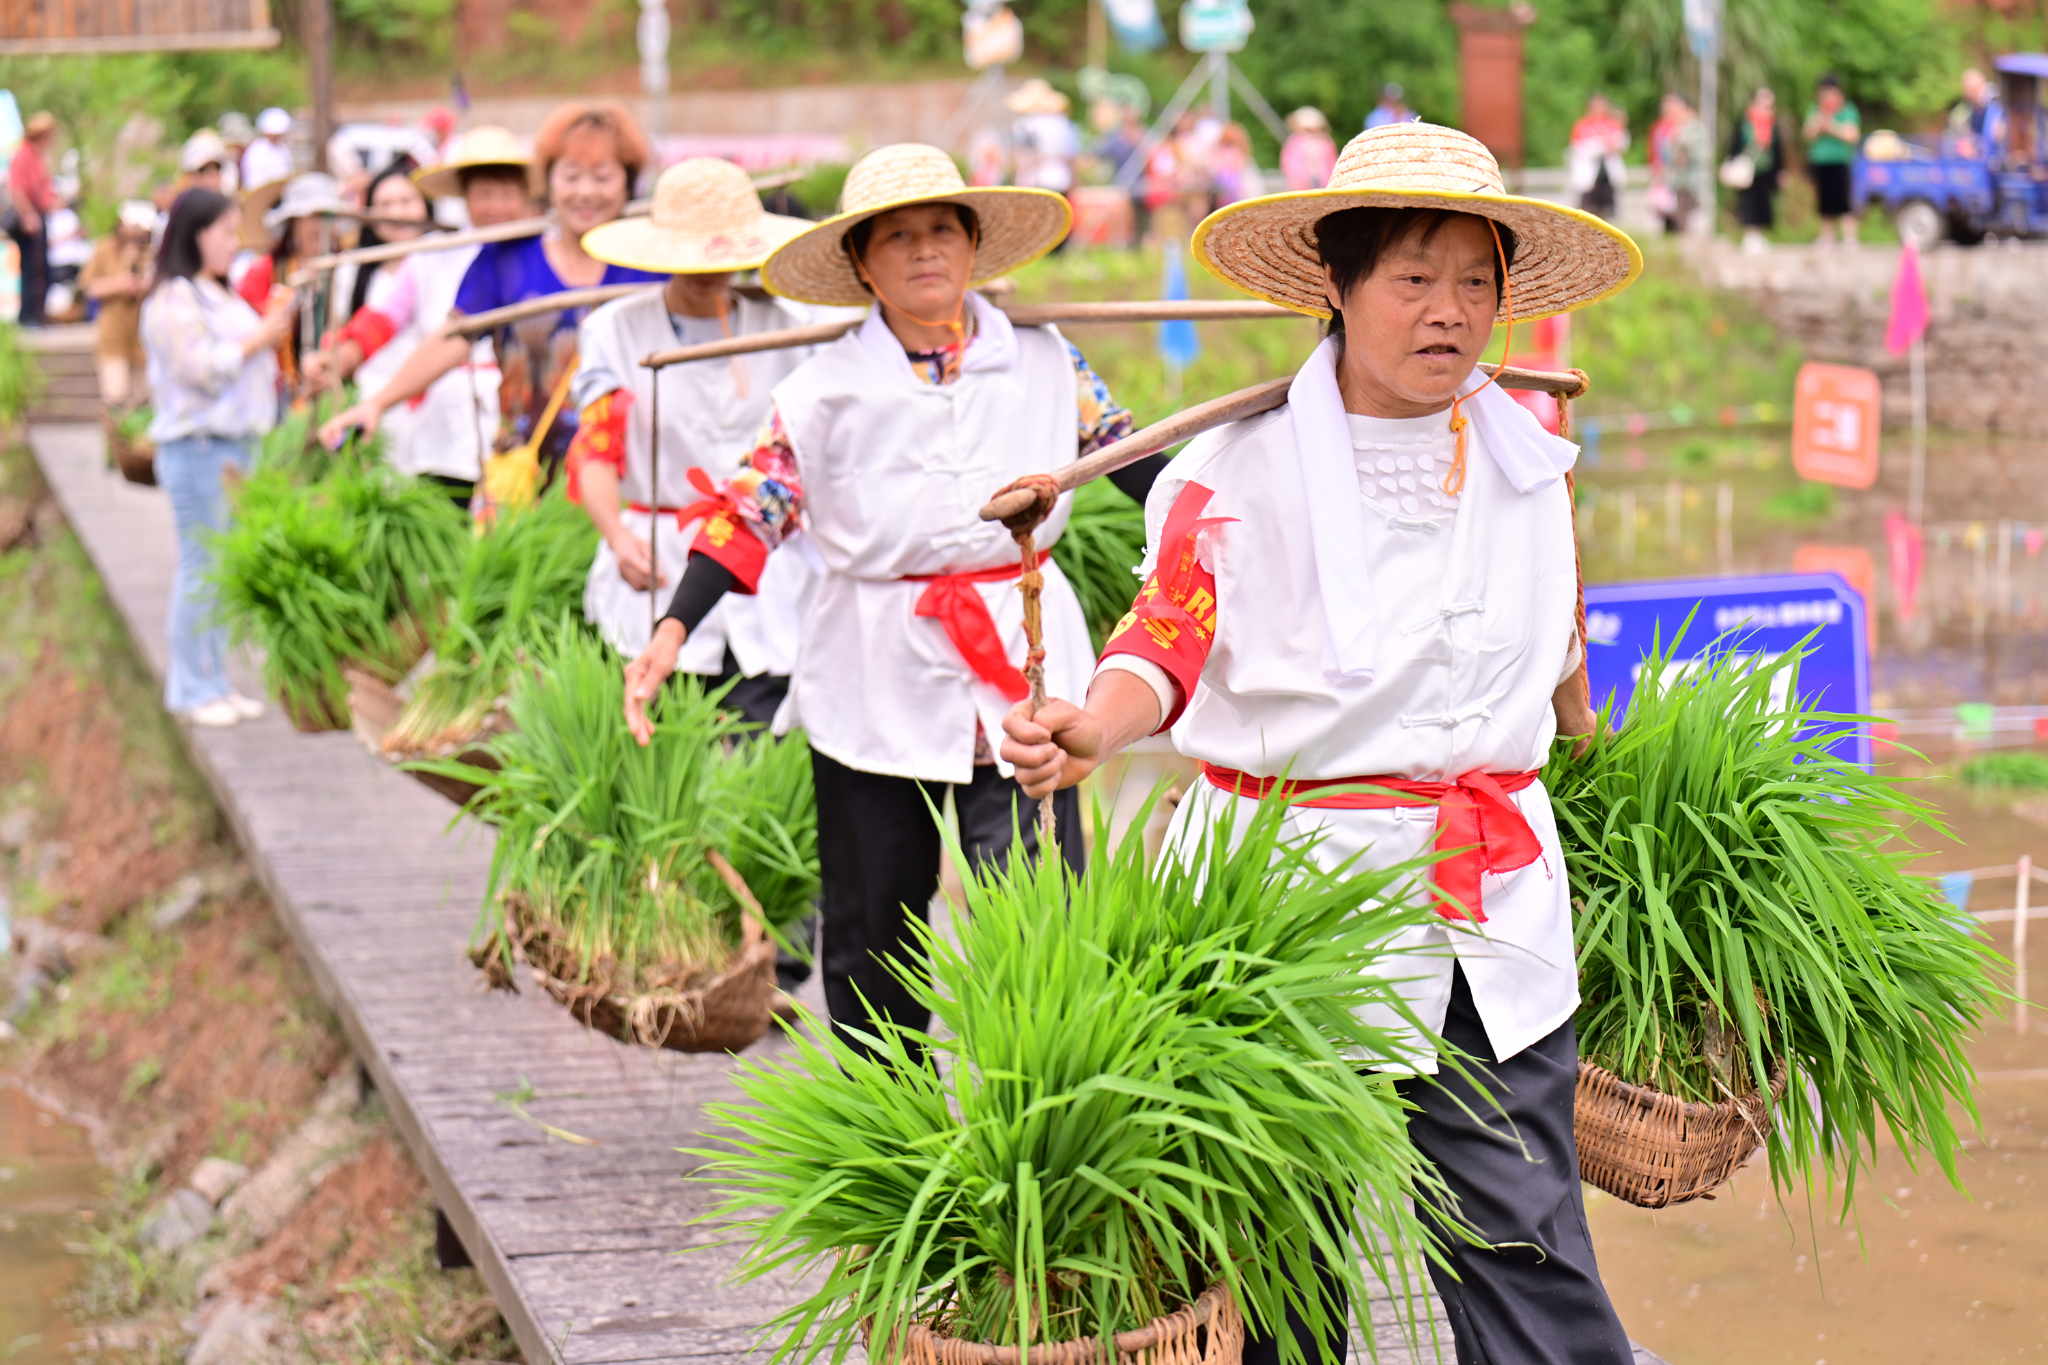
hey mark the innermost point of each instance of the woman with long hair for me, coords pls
(398, 212)
(213, 381)
(589, 155)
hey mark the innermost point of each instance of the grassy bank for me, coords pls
(174, 1021)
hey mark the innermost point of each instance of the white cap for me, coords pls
(274, 122)
(204, 148)
(138, 215)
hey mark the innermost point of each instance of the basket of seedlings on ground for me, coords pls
(640, 885)
(347, 571)
(1748, 929)
(1144, 1106)
(128, 443)
(511, 587)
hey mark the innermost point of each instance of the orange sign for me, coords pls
(1856, 567)
(1836, 412)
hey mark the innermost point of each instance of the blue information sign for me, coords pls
(1764, 616)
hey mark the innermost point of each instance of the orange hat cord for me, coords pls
(957, 352)
(1454, 481)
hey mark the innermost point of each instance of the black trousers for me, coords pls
(1533, 1297)
(35, 273)
(878, 856)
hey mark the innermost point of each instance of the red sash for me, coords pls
(953, 602)
(1473, 815)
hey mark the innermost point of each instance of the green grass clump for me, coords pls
(1103, 543)
(512, 586)
(1803, 503)
(2025, 771)
(1148, 1080)
(608, 842)
(1740, 907)
(350, 569)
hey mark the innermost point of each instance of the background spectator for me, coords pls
(1043, 141)
(1390, 109)
(202, 162)
(267, 159)
(213, 381)
(1833, 131)
(1757, 142)
(1310, 153)
(392, 195)
(1593, 166)
(34, 199)
(1678, 149)
(1966, 120)
(1233, 174)
(236, 133)
(116, 278)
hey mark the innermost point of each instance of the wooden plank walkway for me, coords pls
(577, 1244)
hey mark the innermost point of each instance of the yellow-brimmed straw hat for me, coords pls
(482, 146)
(1564, 259)
(707, 217)
(1018, 225)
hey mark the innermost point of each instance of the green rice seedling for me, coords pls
(1741, 907)
(606, 842)
(1138, 1084)
(411, 539)
(762, 799)
(514, 583)
(1099, 552)
(2024, 771)
(289, 576)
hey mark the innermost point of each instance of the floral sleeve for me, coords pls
(759, 507)
(1102, 420)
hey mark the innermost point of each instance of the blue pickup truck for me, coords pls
(1933, 193)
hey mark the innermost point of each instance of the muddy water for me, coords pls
(48, 1178)
(1921, 1272)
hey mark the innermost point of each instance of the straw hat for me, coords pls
(1018, 225)
(483, 146)
(1308, 119)
(707, 218)
(1036, 96)
(1564, 259)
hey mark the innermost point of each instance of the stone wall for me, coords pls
(1987, 341)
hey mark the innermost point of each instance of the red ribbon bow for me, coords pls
(1473, 815)
(952, 601)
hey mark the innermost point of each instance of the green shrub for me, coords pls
(1996, 772)
(1804, 503)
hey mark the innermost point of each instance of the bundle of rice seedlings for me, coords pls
(1138, 1086)
(346, 570)
(761, 789)
(513, 585)
(1099, 552)
(610, 873)
(1744, 913)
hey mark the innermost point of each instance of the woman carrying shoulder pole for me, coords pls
(885, 445)
(1376, 584)
(707, 224)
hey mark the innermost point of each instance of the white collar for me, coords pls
(1529, 456)
(992, 347)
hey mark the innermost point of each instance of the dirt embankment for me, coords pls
(259, 1204)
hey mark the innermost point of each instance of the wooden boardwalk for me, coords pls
(578, 1244)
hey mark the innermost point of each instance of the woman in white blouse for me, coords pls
(213, 378)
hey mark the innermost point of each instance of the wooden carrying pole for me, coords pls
(480, 323)
(1022, 314)
(1185, 426)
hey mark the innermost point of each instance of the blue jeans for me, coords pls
(189, 470)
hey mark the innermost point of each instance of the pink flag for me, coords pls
(1909, 303)
(1902, 538)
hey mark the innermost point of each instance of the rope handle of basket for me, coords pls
(751, 917)
(1023, 527)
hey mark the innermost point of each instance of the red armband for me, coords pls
(369, 330)
(600, 439)
(1173, 622)
(725, 536)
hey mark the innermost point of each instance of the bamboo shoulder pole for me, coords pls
(480, 323)
(1023, 314)
(1231, 407)
(439, 241)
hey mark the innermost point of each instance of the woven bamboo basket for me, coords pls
(724, 1014)
(1655, 1150)
(1209, 1331)
(374, 707)
(135, 456)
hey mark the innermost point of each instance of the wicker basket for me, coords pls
(135, 456)
(725, 1014)
(1209, 1331)
(1655, 1150)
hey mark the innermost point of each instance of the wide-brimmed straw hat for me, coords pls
(482, 146)
(1018, 225)
(707, 217)
(1564, 259)
(1036, 96)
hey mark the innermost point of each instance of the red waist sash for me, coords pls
(696, 511)
(951, 599)
(1473, 815)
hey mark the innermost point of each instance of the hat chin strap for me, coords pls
(1454, 480)
(957, 324)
